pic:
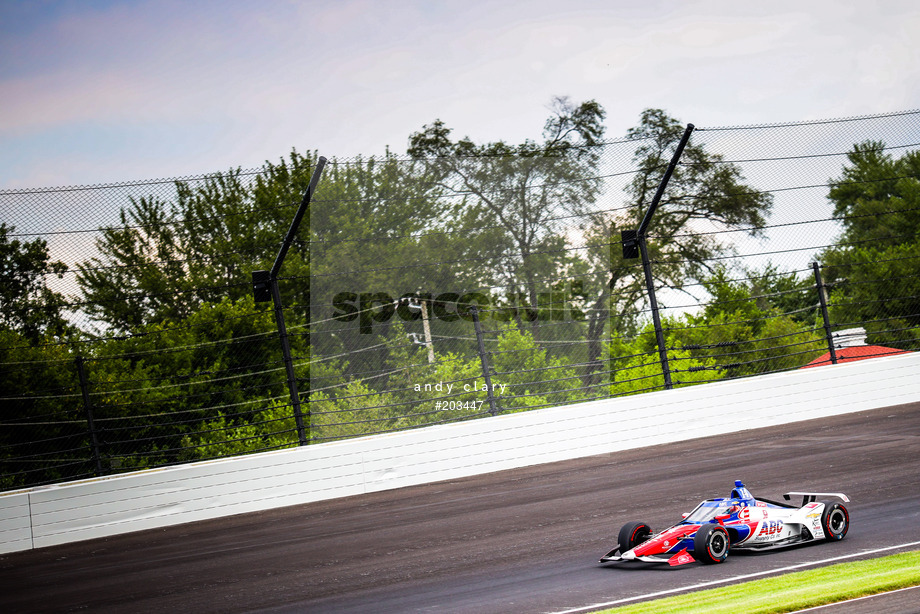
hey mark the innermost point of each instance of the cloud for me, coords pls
(192, 87)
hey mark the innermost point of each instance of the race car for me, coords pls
(738, 522)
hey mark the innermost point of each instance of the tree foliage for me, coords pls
(27, 305)
(745, 331)
(183, 365)
(519, 192)
(872, 269)
(704, 189)
(166, 258)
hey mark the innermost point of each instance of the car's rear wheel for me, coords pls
(835, 520)
(711, 544)
(632, 534)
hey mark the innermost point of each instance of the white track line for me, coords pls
(693, 587)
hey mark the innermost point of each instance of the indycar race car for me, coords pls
(738, 522)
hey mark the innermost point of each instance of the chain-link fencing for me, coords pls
(431, 289)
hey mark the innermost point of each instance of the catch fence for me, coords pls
(432, 289)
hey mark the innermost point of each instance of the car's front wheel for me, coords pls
(711, 544)
(835, 520)
(632, 534)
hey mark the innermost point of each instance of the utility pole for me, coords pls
(415, 305)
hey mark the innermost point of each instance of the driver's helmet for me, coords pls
(741, 495)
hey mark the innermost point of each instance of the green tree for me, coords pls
(517, 192)
(527, 376)
(38, 382)
(27, 304)
(872, 269)
(741, 332)
(877, 196)
(638, 370)
(43, 430)
(356, 410)
(139, 276)
(273, 427)
(174, 378)
(379, 230)
(789, 294)
(703, 189)
(168, 256)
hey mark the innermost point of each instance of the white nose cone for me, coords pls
(630, 556)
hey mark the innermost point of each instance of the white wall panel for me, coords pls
(162, 497)
(15, 522)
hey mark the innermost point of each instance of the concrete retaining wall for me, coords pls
(73, 511)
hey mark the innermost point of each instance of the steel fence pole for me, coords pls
(484, 360)
(822, 301)
(87, 405)
(288, 363)
(656, 316)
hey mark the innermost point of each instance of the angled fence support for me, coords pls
(822, 301)
(634, 246)
(265, 288)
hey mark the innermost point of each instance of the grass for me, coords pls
(793, 591)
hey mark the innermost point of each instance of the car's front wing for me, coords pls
(679, 558)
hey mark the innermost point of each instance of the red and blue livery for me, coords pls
(739, 521)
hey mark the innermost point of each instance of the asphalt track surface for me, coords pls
(525, 540)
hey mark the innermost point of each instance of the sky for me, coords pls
(101, 91)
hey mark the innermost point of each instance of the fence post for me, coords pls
(87, 405)
(288, 362)
(656, 317)
(822, 300)
(483, 358)
(634, 245)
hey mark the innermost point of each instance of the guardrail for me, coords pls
(88, 509)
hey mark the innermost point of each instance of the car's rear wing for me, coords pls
(808, 497)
